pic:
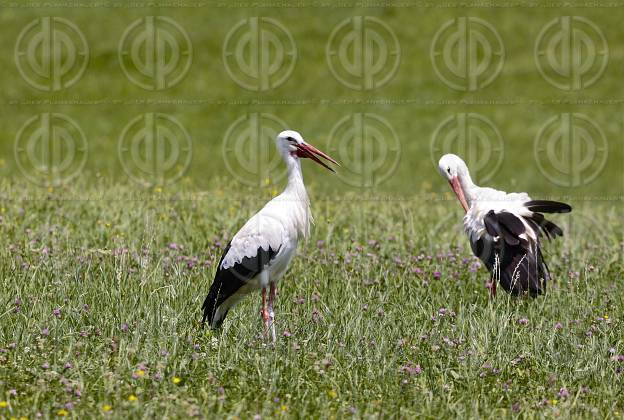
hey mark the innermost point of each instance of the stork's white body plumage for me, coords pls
(259, 254)
(484, 200)
(504, 230)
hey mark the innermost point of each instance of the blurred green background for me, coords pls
(414, 102)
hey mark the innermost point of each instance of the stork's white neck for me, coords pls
(295, 183)
(469, 187)
(295, 192)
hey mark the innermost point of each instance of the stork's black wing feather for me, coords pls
(523, 271)
(504, 225)
(491, 224)
(520, 263)
(550, 229)
(547, 206)
(228, 281)
(512, 223)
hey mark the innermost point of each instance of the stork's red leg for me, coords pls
(264, 313)
(272, 292)
(493, 287)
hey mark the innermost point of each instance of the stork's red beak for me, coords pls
(305, 150)
(456, 185)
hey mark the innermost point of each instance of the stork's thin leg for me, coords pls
(493, 287)
(264, 313)
(272, 290)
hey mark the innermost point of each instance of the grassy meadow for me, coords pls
(384, 313)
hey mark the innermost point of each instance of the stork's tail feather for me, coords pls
(546, 206)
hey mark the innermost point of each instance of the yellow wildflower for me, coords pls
(176, 380)
(62, 413)
(606, 316)
(140, 373)
(284, 408)
(332, 394)
(3, 404)
(132, 398)
(107, 407)
(554, 402)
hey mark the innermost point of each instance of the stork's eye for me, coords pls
(448, 170)
(290, 139)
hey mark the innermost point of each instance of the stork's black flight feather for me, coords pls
(228, 281)
(546, 206)
(511, 256)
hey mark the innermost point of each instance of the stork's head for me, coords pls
(454, 169)
(292, 145)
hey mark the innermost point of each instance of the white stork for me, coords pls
(259, 254)
(504, 230)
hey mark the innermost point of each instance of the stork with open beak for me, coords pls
(504, 230)
(259, 254)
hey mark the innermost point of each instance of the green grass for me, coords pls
(363, 310)
(359, 318)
